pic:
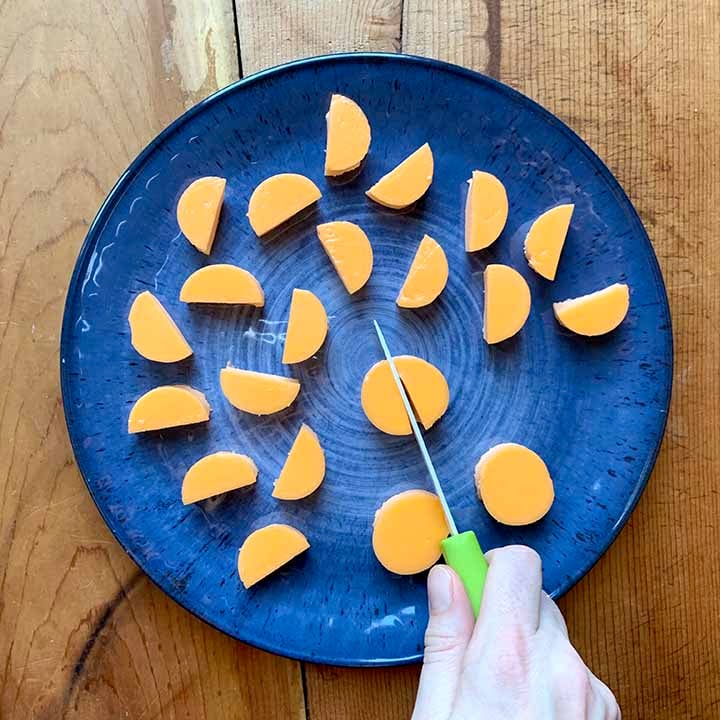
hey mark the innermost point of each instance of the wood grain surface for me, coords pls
(83, 86)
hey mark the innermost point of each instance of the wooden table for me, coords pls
(85, 84)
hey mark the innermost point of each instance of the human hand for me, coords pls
(515, 663)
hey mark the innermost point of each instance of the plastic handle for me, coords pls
(463, 554)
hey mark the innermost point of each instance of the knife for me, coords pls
(461, 550)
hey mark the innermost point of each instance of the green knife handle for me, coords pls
(463, 554)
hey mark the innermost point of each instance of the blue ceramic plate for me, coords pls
(594, 409)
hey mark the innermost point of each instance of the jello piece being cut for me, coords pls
(216, 474)
(348, 136)
(514, 484)
(153, 333)
(267, 549)
(350, 252)
(408, 530)
(307, 327)
(258, 393)
(304, 468)
(597, 313)
(198, 211)
(486, 211)
(546, 238)
(425, 385)
(168, 406)
(427, 277)
(222, 283)
(275, 200)
(507, 303)
(406, 183)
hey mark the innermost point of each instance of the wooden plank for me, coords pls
(153, 659)
(360, 694)
(276, 31)
(83, 86)
(459, 31)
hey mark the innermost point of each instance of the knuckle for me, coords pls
(509, 660)
(578, 682)
(571, 678)
(440, 643)
(607, 698)
(510, 669)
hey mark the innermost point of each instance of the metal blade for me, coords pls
(416, 431)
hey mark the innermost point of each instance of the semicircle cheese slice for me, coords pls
(153, 332)
(268, 549)
(514, 484)
(275, 200)
(546, 238)
(486, 211)
(217, 473)
(348, 136)
(408, 530)
(198, 211)
(258, 393)
(350, 252)
(507, 303)
(407, 182)
(307, 327)
(427, 276)
(168, 406)
(597, 313)
(222, 283)
(304, 468)
(425, 385)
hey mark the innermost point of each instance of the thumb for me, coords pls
(448, 633)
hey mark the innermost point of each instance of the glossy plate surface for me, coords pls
(594, 409)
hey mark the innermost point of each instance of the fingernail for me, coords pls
(440, 589)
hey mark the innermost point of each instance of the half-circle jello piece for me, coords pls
(223, 284)
(507, 303)
(407, 182)
(486, 211)
(258, 393)
(153, 332)
(277, 199)
(546, 238)
(349, 250)
(348, 136)
(198, 211)
(304, 468)
(597, 313)
(267, 549)
(307, 327)
(217, 473)
(168, 406)
(427, 276)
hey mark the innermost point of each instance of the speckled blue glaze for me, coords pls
(594, 409)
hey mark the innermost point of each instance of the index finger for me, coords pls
(513, 594)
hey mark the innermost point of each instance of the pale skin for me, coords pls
(515, 663)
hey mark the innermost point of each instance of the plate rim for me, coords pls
(136, 164)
